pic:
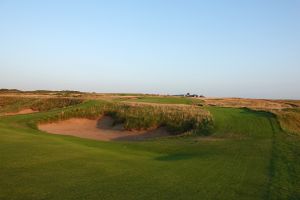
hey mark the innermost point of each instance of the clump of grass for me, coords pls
(177, 119)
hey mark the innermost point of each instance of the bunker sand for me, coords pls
(99, 129)
(21, 112)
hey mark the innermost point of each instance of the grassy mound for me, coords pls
(14, 104)
(289, 119)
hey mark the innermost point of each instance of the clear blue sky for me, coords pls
(216, 48)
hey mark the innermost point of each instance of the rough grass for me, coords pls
(289, 120)
(167, 100)
(14, 104)
(262, 104)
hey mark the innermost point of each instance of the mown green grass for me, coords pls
(243, 122)
(167, 100)
(37, 165)
(284, 168)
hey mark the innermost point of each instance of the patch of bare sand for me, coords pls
(21, 112)
(99, 129)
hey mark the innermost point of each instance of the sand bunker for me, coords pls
(101, 129)
(21, 112)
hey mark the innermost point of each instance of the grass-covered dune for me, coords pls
(289, 119)
(247, 156)
(15, 103)
(166, 100)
